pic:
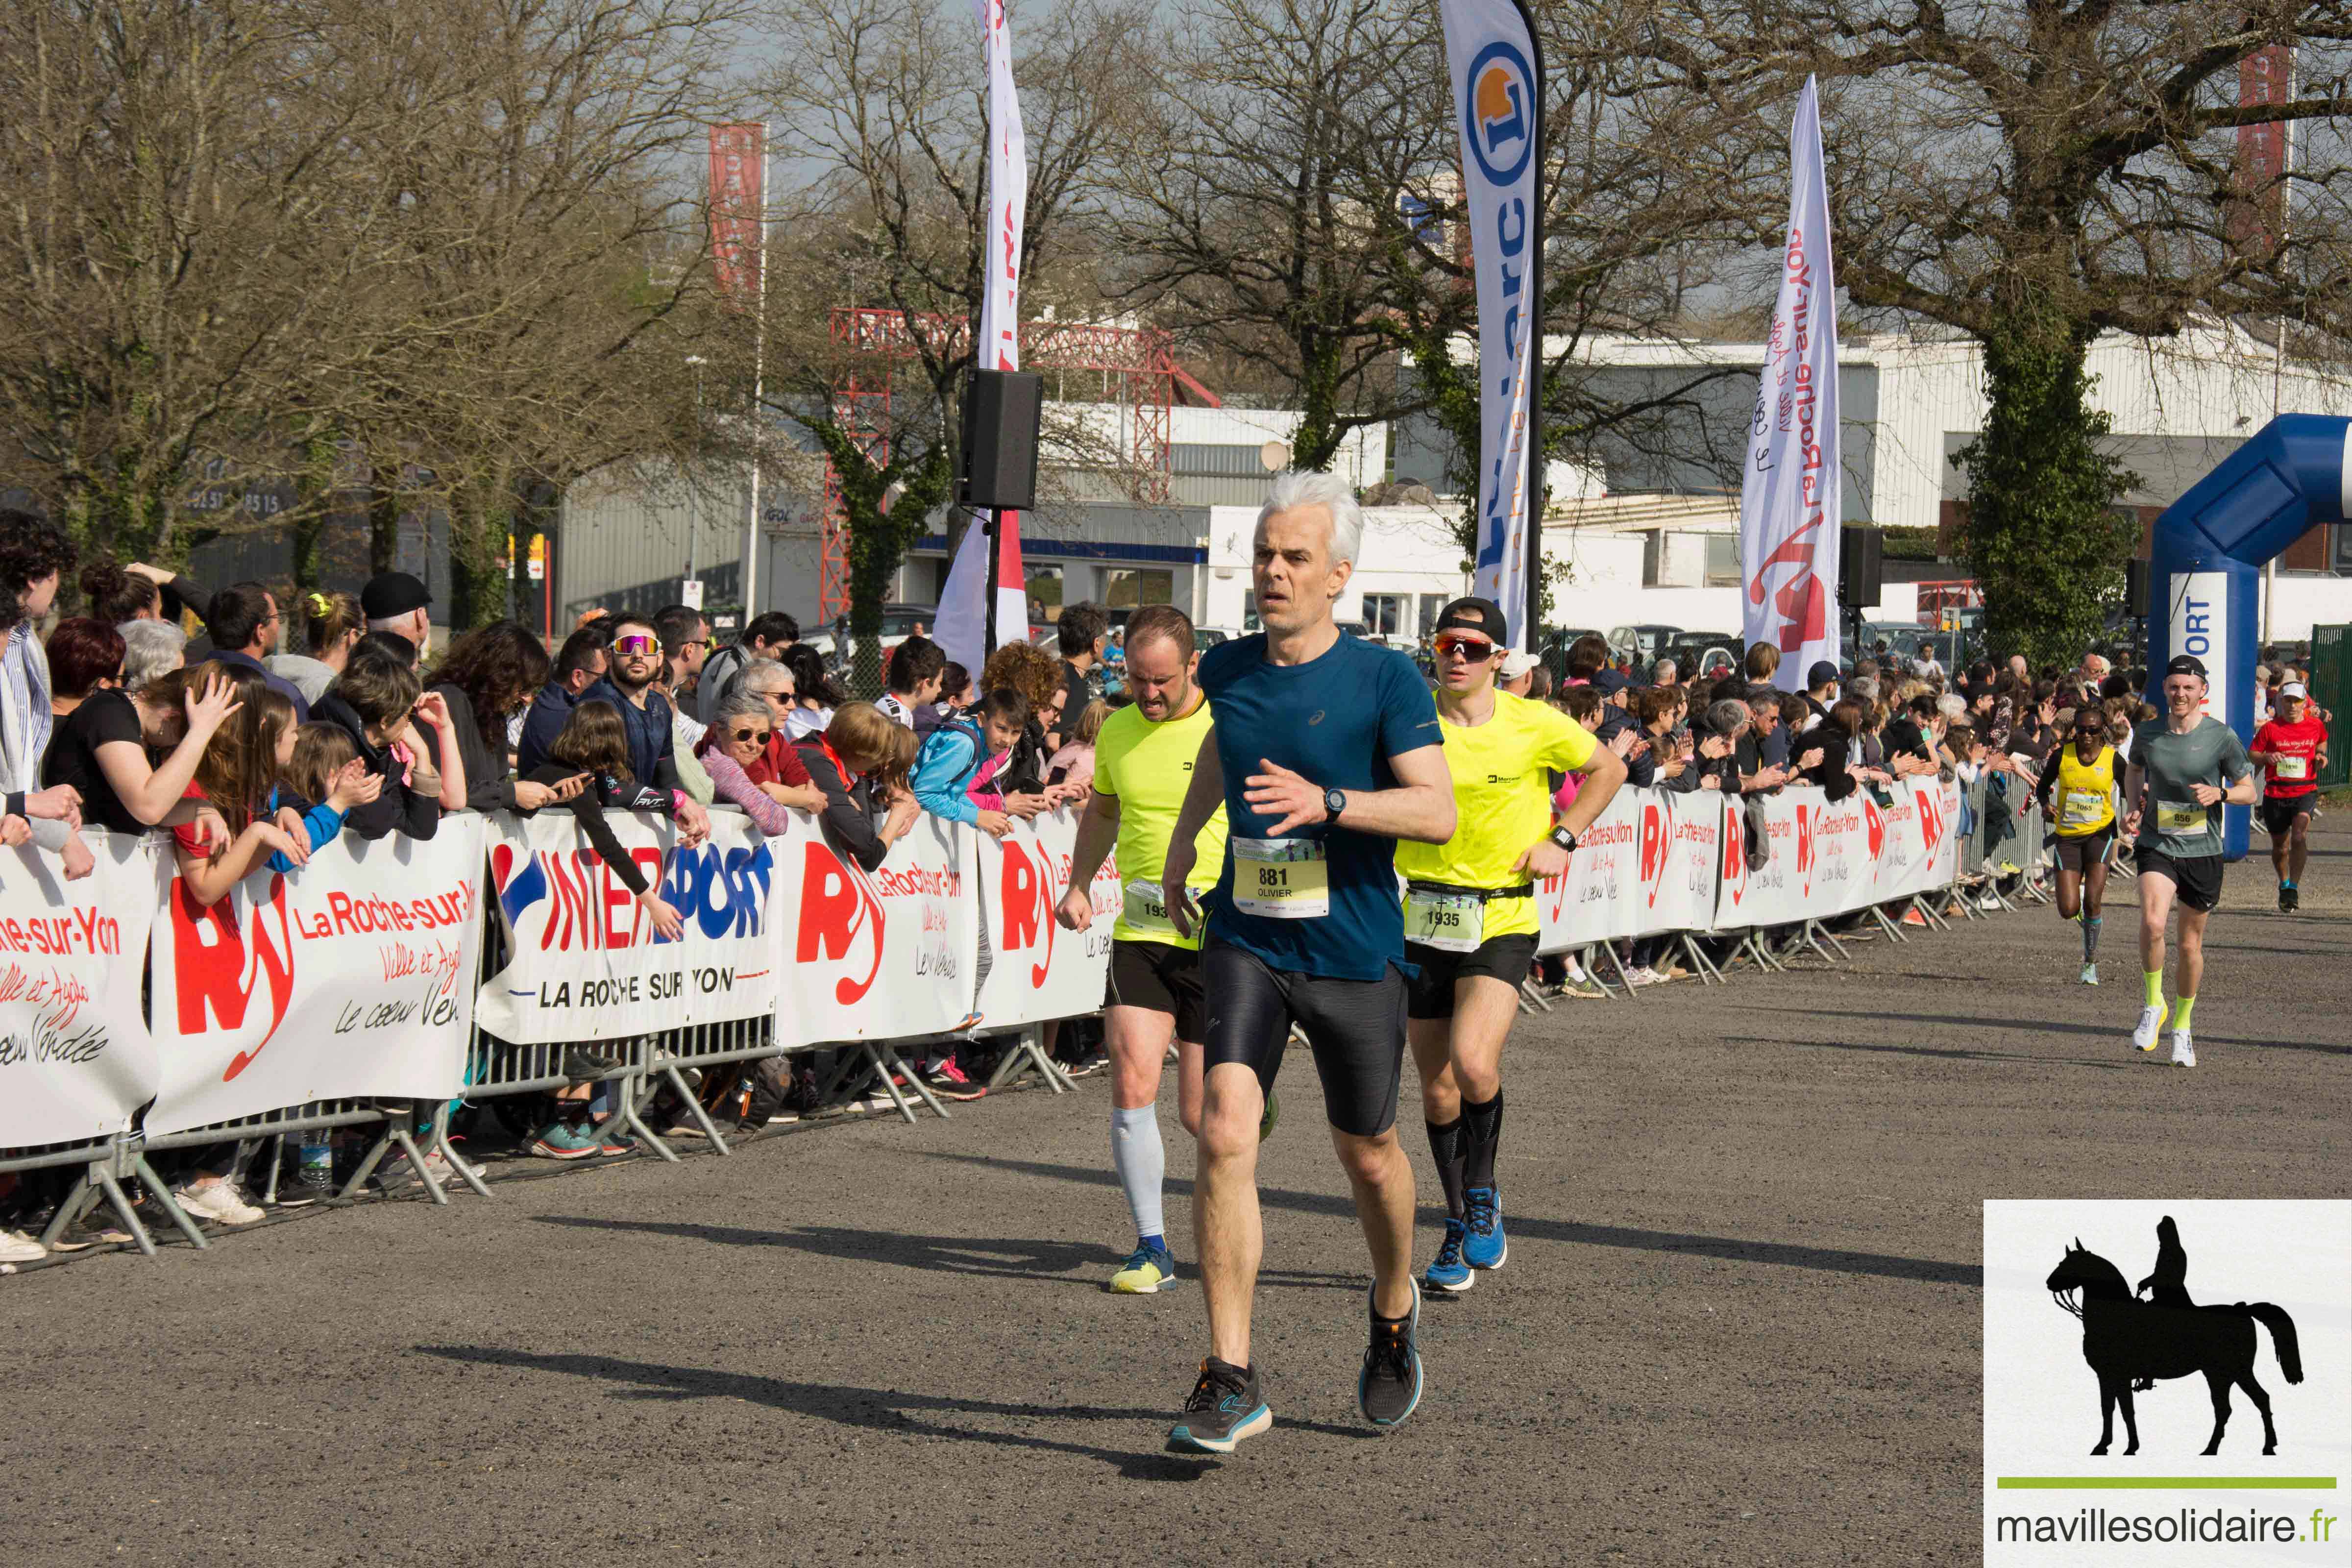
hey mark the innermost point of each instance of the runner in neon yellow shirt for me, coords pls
(1470, 921)
(1143, 766)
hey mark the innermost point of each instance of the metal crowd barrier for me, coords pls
(497, 1068)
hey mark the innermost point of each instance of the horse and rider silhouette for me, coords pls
(2130, 1343)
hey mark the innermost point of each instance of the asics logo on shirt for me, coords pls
(1316, 717)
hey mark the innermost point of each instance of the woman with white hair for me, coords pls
(151, 648)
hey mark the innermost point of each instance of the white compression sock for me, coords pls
(1136, 1153)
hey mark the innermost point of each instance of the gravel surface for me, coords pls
(1739, 1323)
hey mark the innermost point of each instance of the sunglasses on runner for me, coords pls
(1469, 648)
(635, 646)
(759, 735)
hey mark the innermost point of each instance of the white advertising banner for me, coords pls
(1645, 866)
(880, 955)
(351, 976)
(583, 960)
(75, 1056)
(1791, 499)
(1497, 77)
(1037, 970)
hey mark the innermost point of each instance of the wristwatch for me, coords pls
(1334, 801)
(1565, 839)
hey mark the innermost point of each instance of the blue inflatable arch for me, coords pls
(2204, 588)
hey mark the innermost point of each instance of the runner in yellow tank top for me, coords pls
(1470, 923)
(2082, 776)
(1143, 766)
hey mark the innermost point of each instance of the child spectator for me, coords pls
(236, 776)
(860, 762)
(376, 701)
(952, 757)
(1071, 770)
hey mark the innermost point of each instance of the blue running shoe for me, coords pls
(1146, 1272)
(1447, 1272)
(1390, 1385)
(1227, 1404)
(1485, 1246)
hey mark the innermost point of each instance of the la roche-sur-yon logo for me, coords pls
(2168, 1381)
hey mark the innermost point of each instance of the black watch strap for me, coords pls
(1564, 839)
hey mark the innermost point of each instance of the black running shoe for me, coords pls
(2289, 896)
(1227, 1405)
(1390, 1385)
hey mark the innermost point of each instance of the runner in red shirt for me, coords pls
(2292, 749)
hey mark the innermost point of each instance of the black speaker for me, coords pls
(2135, 589)
(1000, 440)
(1862, 565)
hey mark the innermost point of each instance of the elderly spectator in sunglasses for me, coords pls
(735, 750)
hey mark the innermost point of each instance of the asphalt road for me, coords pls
(1740, 1321)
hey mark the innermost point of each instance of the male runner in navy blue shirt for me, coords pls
(1325, 751)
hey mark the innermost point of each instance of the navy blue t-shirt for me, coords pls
(1336, 720)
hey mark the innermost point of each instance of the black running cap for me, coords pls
(2186, 664)
(1481, 615)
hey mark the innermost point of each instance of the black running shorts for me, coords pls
(2198, 876)
(1356, 1028)
(2080, 851)
(1503, 958)
(1164, 978)
(2279, 811)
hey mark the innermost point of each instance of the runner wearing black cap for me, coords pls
(1326, 752)
(1470, 923)
(2184, 767)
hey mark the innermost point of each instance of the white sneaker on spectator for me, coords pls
(2184, 1049)
(1642, 974)
(443, 1172)
(1992, 901)
(16, 1246)
(217, 1201)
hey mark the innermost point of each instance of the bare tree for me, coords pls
(2033, 174)
(881, 103)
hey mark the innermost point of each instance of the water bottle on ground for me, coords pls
(314, 1169)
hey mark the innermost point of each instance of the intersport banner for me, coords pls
(1790, 502)
(881, 954)
(583, 960)
(75, 1056)
(1497, 74)
(1647, 865)
(1037, 970)
(351, 976)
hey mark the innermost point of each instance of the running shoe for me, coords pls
(1146, 1272)
(946, 1074)
(217, 1201)
(1226, 1405)
(562, 1141)
(2151, 1025)
(1271, 1117)
(612, 1138)
(1485, 1246)
(1447, 1272)
(16, 1246)
(2290, 897)
(1390, 1385)
(2184, 1049)
(2090, 975)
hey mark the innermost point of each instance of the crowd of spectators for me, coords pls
(249, 751)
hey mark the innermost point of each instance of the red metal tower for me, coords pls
(1141, 358)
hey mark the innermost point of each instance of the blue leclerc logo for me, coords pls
(1501, 112)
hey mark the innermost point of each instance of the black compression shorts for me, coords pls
(1161, 976)
(2279, 811)
(2080, 851)
(1356, 1028)
(2197, 876)
(1503, 958)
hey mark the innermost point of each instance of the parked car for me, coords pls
(1642, 644)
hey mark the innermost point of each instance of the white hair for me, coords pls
(397, 624)
(150, 649)
(1295, 488)
(1953, 708)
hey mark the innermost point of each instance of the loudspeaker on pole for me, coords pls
(2135, 589)
(1862, 565)
(999, 469)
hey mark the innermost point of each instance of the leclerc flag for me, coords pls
(963, 615)
(1791, 499)
(1497, 71)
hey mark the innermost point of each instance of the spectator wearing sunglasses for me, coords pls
(635, 661)
(735, 747)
